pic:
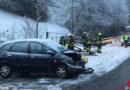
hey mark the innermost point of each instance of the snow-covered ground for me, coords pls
(112, 56)
(16, 27)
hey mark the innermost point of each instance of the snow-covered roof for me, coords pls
(52, 44)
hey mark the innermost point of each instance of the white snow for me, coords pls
(13, 27)
(112, 56)
(52, 87)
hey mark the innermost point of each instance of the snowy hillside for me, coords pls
(16, 27)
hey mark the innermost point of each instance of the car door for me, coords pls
(39, 59)
(5, 52)
(19, 55)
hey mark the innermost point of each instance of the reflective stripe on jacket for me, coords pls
(99, 39)
(89, 40)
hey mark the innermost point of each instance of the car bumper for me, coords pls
(74, 69)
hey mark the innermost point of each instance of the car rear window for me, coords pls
(20, 47)
(6, 47)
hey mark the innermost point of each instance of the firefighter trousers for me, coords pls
(99, 48)
(88, 47)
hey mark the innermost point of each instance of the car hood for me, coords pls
(63, 57)
(73, 54)
(69, 52)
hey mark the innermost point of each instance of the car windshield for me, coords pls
(57, 47)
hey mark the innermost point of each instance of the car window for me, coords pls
(46, 49)
(36, 48)
(55, 46)
(6, 47)
(20, 47)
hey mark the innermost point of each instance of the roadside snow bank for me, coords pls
(111, 57)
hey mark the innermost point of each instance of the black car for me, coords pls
(38, 56)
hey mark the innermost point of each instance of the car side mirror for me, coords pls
(51, 53)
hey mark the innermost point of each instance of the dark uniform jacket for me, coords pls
(99, 39)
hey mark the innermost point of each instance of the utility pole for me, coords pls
(128, 4)
(72, 22)
(89, 15)
(89, 11)
(37, 12)
(83, 15)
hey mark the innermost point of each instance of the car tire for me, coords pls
(5, 71)
(61, 71)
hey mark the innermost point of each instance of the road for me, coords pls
(117, 77)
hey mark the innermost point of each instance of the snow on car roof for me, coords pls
(45, 41)
(35, 40)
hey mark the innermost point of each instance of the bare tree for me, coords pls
(13, 32)
(29, 29)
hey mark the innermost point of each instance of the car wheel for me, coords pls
(61, 71)
(5, 71)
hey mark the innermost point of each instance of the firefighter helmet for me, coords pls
(99, 34)
(84, 32)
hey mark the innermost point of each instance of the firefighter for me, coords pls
(66, 39)
(88, 43)
(126, 39)
(70, 42)
(62, 41)
(99, 42)
(84, 37)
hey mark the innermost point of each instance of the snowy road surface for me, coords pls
(114, 80)
(113, 55)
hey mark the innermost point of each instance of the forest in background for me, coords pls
(107, 16)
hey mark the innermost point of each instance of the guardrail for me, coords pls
(104, 40)
(110, 39)
(80, 41)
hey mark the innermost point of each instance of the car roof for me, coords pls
(27, 40)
